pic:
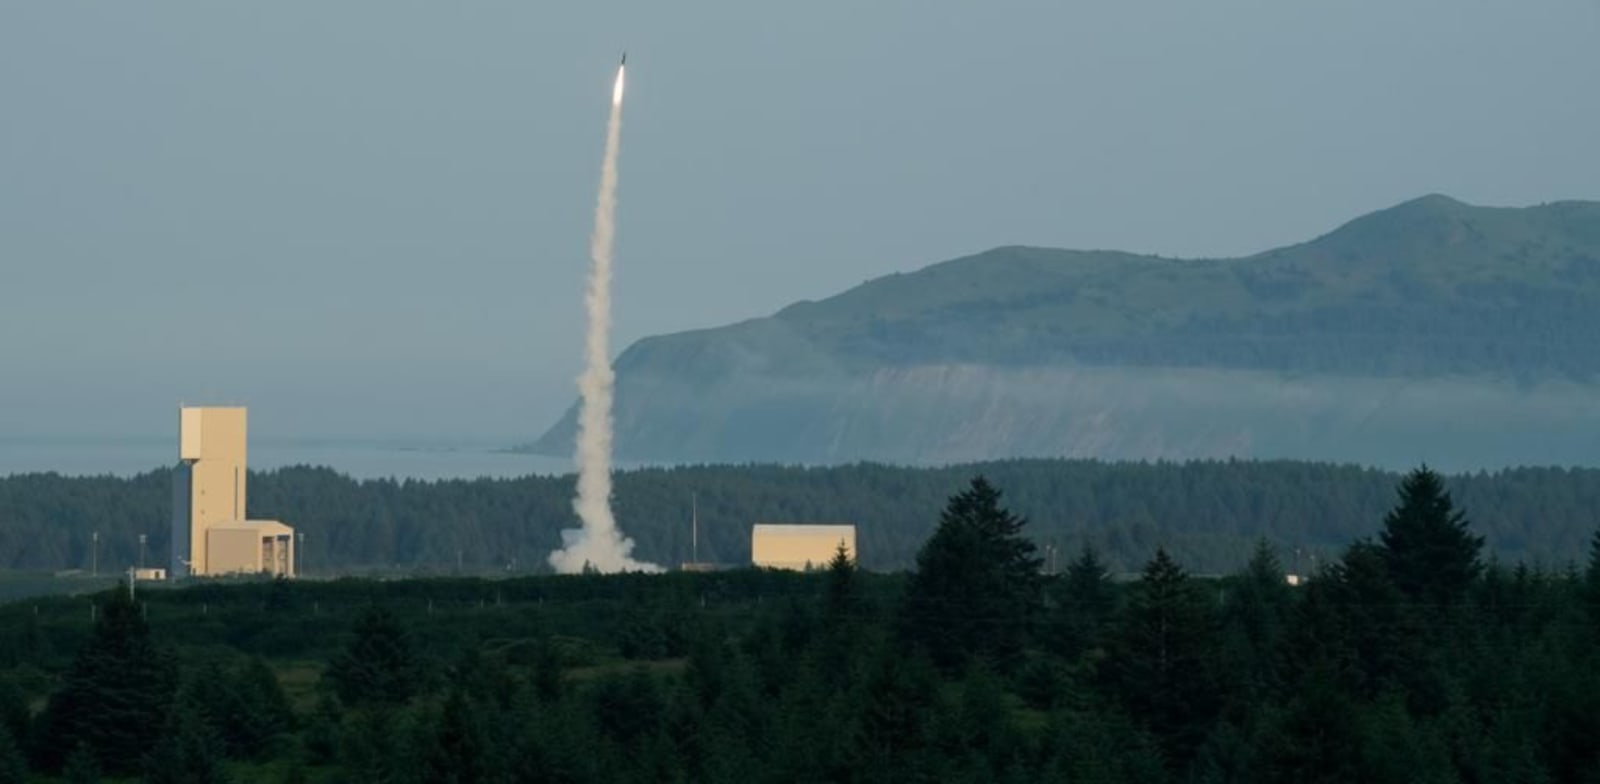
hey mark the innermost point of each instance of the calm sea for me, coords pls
(363, 459)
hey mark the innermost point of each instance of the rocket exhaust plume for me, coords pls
(598, 544)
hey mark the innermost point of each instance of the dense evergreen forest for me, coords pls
(1409, 657)
(1207, 514)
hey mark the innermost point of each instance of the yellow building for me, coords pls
(799, 547)
(210, 532)
(250, 547)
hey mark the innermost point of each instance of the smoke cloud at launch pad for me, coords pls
(598, 544)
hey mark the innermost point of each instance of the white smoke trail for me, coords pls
(598, 544)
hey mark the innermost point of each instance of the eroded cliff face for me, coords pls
(962, 412)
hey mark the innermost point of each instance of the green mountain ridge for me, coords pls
(1498, 305)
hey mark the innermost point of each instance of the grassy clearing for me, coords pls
(299, 680)
(658, 667)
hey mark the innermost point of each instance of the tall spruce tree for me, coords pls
(1352, 614)
(1256, 620)
(81, 767)
(840, 639)
(844, 589)
(14, 714)
(377, 666)
(460, 752)
(1085, 601)
(1162, 663)
(12, 765)
(977, 589)
(1431, 554)
(893, 722)
(190, 750)
(261, 710)
(116, 694)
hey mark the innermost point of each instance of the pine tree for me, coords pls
(190, 750)
(322, 734)
(1084, 605)
(14, 717)
(844, 591)
(460, 748)
(979, 729)
(894, 712)
(1161, 666)
(547, 685)
(376, 748)
(1101, 747)
(1431, 554)
(260, 711)
(1257, 619)
(977, 589)
(1316, 737)
(377, 667)
(13, 768)
(116, 695)
(841, 638)
(81, 767)
(1352, 615)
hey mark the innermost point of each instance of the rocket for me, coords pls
(624, 58)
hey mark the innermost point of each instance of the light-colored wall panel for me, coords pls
(798, 547)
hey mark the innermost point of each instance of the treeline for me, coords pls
(1206, 513)
(1406, 658)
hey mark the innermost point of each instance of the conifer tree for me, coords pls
(1352, 614)
(12, 765)
(116, 695)
(377, 666)
(840, 640)
(1431, 554)
(460, 747)
(979, 726)
(547, 686)
(1316, 737)
(1084, 604)
(977, 589)
(14, 717)
(322, 734)
(261, 711)
(894, 710)
(844, 591)
(1257, 619)
(190, 750)
(1161, 667)
(376, 748)
(81, 767)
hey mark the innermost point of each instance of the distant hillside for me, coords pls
(1435, 329)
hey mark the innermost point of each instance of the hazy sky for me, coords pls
(370, 218)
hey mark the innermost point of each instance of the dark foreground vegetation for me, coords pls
(1207, 514)
(1406, 659)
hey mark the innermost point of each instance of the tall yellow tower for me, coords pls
(210, 535)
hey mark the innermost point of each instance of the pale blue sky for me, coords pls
(370, 218)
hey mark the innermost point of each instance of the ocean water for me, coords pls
(429, 458)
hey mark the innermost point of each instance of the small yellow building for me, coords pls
(799, 547)
(250, 547)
